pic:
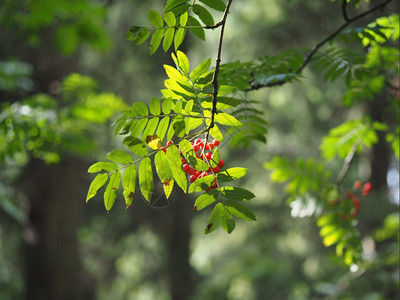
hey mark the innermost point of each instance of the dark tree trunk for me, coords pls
(54, 270)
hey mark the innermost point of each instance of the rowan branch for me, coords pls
(310, 55)
(214, 80)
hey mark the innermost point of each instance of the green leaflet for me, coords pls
(179, 37)
(171, 4)
(203, 14)
(240, 211)
(169, 18)
(183, 19)
(236, 193)
(201, 184)
(182, 62)
(138, 35)
(129, 184)
(146, 178)
(200, 70)
(215, 158)
(175, 163)
(167, 106)
(227, 222)
(231, 174)
(155, 19)
(154, 106)
(119, 156)
(162, 128)
(139, 109)
(168, 39)
(150, 128)
(206, 199)
(139, 126)
(215, 4)
(214, 218)
(111, 191)
(226, 119)
(136, 145)
(164, 172)
(97, 183)
(196, 28)
(190, 156)
(99, 166)
(156, 40)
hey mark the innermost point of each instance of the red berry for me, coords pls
(216, 143)
(192, 178)
(169, 143)
(221, 163)
(207, 147)
(211, 146)
(197, 173)
(196, 148)
(203, 174)
(164, 149)
(208, 155)
(183, 160)
(186, 168)
(198, 141)
(358, 184)
(367, 188)
(216, 169)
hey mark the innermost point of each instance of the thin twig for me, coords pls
(214, 80)
(323, 42)
(344, 10)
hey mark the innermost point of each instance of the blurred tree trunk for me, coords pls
(54, 269)
(53, 265)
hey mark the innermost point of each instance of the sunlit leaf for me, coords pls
(111, 191)
(205, 199)
(155, 19)
(146, 178)
(119, 156)
(231, 174)
(129, 184)
(99, 166)
(175, 163)
(240, 211)
(214, 218)
(97, 183)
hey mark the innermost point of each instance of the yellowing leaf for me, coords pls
(153, 141)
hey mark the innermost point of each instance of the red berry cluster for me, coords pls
(366, 188)
(204, 152)
(352, 203)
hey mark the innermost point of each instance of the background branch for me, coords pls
(324, 41)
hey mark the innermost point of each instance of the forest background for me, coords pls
(66, 73)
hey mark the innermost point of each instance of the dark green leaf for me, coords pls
(236, 193)
(203, 14)
(196, 28)
(240, 211)
(215, 4)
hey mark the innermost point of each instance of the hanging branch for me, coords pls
(214, 81)
(310, 55)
